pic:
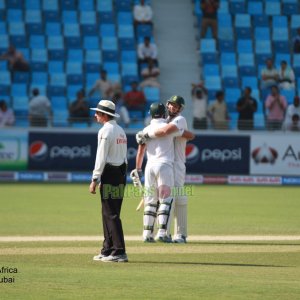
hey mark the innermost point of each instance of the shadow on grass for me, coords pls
(208, 264)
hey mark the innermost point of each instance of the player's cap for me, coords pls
(178, 100)
(157, 110)
(106, 107)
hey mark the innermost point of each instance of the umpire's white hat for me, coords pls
(106, 107)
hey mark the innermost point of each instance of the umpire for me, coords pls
(110, 172)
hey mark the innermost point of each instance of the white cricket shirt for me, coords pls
(112, 147)
(179, 142)
(161, 149)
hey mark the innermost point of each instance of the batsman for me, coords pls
(176, 123)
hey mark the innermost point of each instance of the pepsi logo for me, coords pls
(191, 153)
(38, 150)
(264, 154)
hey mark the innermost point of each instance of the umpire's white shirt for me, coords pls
(112, 147)
(159, 150)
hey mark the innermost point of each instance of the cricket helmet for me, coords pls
(157, 110)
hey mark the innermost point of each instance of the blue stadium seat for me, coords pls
(281, 46)
(37, 42)
(152, 93)
(88, 18)
(143, 30)
(71, 30)
(68, 4)
(126, 31)
(34, 29)
(59, 103)
(106, 17)
(38, 66)
(111, 67)
(209, 58)
(75, 55)
(282, 56)
(249, 70)
(255, 8)
(91, 42)
(129, 69)
(69, 17)
(19, 41)
(262, 33)
(92, 68)
(110, 56)
(19, 90)
(93, 56)
(279, 22)
(3, 28)
(213, 83)
(53, 29)
(15, 15)
(20, 103)
(250, 81)
(5, 90)
(231, 82)
(75, 79)
(58, 79)
(289, 95)
(57, 54)
(55, 91)
(272, 8)
(86, 5)
(73, 42)
(73, 67)
(124, 18)
(127, 43)
(229, 71)
(128, 56)
(109, 43)
(260, 20)
(60, 117)
(33, 16)
(225, 33)
(72, 90)
(89, 29)
(242, 20)
(51, 16)
(243, 33)
(107, 30)
(104, 5)
(280, 34)
(231, 96)
(16, 28)
(224, 21)
(290, 9)
(3, 66)
(263, 47)
(208, 46)
(211, 70)
(55, 42)
(56, 67)
(237, 7)
(40, 78)
(226, 46)
(50, 5)
(244, 46)
(228, 59)
(21, 77)
(91, 78)
(39, 55)
(5, 78)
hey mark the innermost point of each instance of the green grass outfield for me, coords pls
(197, 270)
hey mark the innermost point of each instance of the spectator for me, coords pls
(209, 17)
(7, 116)
(142, 13)
(246, 107)
(150, 75)
(15, 60)
(199, 97)
(79, 110)
(39, 109)
(135, 99)
(276, 105)
(217, 112)
(147, 51)
(297, 42)
(292, 114)
(295, 123)
(286, 76)
(269, 75)
(105, 87)
(121, 109)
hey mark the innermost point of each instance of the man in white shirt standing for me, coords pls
(110, 171)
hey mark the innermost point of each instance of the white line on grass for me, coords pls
(204, 238)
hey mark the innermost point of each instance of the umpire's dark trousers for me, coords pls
(113, 181)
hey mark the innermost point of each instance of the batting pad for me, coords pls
(149, 220)
(180, 219)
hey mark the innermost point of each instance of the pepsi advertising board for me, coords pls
(218, 154)
(62, 151)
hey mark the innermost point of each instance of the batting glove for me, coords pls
(141, 138)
